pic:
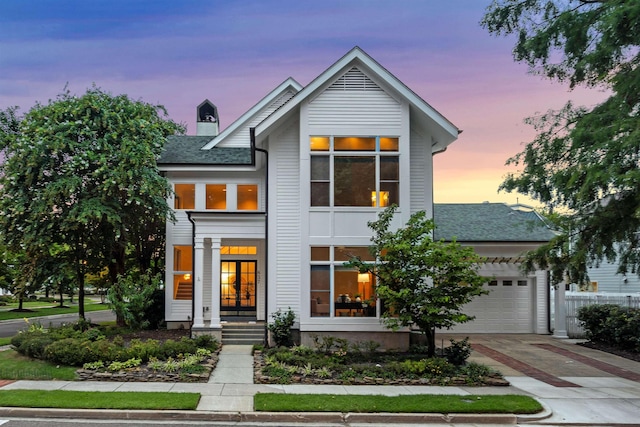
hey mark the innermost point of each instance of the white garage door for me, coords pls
(506, 309)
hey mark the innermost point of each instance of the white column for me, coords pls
(560, 320)
(215, 282)
(198, 269)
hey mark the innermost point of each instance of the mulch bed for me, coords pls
(631, 355)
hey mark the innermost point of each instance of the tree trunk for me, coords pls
(430, 334)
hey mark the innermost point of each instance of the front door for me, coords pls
(238, 289)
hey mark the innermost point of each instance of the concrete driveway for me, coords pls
(578, 384)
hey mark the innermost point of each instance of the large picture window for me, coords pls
(354, 171)
(338, 291)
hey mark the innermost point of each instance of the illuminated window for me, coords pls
(216, 196)
(356, 178)
(337, 291)
(247, 197)
(182, 271)
(238, 250)
(185, 197)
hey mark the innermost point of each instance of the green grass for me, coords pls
(14, 366)
(50, 311)
(5, 341)
(98, 400)
(426, 403)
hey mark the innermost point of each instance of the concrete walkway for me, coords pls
(579, 386)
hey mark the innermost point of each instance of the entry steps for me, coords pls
(234, 333)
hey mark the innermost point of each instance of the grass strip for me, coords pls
(423, 403)
(68, 399)
(50, 311)
(14, 366)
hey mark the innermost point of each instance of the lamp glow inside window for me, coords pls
(354, 171)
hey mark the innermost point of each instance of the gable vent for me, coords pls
(354, 79)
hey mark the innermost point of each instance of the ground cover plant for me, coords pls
(98, 400)
(335, 361)
(110, 353)
(447, 404)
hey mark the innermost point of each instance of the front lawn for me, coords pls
(445, 404)
(14, 366)
(98, 400)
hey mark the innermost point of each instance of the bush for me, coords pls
(281, 327)
(458, 352)
(612, 325)
(34, 346)
(70, 352)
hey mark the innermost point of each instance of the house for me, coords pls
(268, 210)
(501, 234)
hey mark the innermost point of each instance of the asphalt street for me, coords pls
(9, 328)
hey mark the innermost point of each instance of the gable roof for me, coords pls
(187, 150)
(488, 222)
(356, 56)
(288, 85)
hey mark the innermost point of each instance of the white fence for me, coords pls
(575, 300)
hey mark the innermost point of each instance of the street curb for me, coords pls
(546, 413)
(263, 417)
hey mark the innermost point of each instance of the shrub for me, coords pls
(612, 324)
(281, 327)
(70, 352)
(144, 350)
(34, 345)
(458, 352)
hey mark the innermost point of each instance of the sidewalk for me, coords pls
(583, 394)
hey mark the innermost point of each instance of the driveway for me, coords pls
(579, 384)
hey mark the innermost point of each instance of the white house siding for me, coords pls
(284, 219)
(421, 172)
(359, 109)
(241, 137)
(608, 280)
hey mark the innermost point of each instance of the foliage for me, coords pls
(612, 325)
(421, 282)
(458, 352)
(280, 327)
(132, 296)
(584, 161)
(282, 365)
(81, 173)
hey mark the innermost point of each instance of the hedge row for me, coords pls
(612, 325)
(90, 347)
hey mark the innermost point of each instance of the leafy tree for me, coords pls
(81, 173)
(131, 296)
(583, 161)
(421, 282)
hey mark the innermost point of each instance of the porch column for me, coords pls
(215, 282)
(198, 269)
(560, 320)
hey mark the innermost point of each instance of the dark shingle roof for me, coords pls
(182, 149)
(488, 222)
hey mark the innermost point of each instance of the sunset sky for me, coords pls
(177, 53)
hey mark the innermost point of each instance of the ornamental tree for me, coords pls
(80, 175)
(421, 282)
(583, 162)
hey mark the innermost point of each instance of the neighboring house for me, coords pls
(516, 303)
(268, 210)
(605, 278)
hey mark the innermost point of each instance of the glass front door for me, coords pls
(238, 288)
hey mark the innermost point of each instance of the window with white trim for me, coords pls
(354, 171)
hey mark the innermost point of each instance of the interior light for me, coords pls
(187, 276)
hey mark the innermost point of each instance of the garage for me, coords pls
(506, 309)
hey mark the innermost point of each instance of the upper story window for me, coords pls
(247, 197)
(216, 196)
(185, 197)
(354, 171)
